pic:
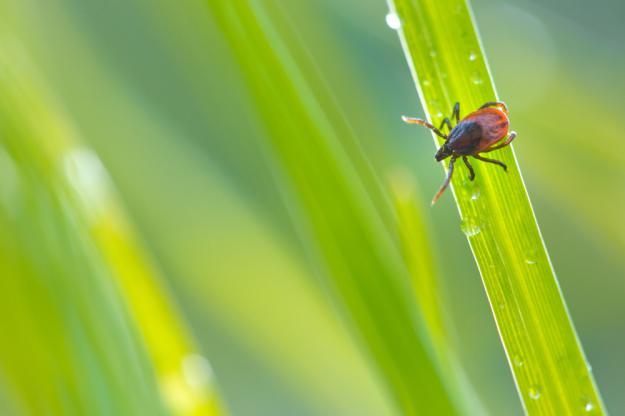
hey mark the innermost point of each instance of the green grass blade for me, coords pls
(338, 205)
(87, 327)
(549, 367)
(417, 252)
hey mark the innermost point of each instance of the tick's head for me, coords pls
(443, 152)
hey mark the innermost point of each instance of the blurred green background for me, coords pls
(152, 88)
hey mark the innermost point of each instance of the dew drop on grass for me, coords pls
(534, 393)
(473, 193)
(517, 361)
(589, 407)
(426, 82)
(88, 178)
(197, 371)
(470, 227)
(433, 53)
(472, 56)
(530, 256)
(477, 79)
(471, 189)
(393, 21)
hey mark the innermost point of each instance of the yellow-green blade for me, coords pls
(87, 327)
(548, 364)
(336, 203)
(416, 249)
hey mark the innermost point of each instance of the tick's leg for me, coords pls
(423, 123)
(496, 162)
(447, 180)
(446, 122)
(456, 112)
(471, 171)
(499, 104)
(511, 137)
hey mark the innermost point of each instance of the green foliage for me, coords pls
(545, 356)
(87, 328)
(415, 247)
(341, 212)
(152, 87)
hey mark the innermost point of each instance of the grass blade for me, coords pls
(89, 328)
(344, 219)
(544, 353)
(416, 249)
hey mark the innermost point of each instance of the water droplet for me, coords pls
(471, 189)
(517, 361)
(534, 393)
(472, 56)
(426, 82)
(433, 53)
(444, 75)
(470, 227)
(89, 179)
(477, 79)
(589, 407)
(393, 21)
(435, 108)
(197, 371)
(589, 367)
(530, 256)
(501, 306)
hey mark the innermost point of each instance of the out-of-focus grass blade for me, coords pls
(184, 376)
(287, 369)
(415, 244)
(545, 356)
(336, 203)
(417, 252)
(86, 327)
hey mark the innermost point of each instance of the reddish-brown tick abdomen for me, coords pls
(494, 124)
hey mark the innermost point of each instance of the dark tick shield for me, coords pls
(479, 132)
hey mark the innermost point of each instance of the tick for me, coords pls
(479, 132)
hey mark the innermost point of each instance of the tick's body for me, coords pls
(479, 132)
